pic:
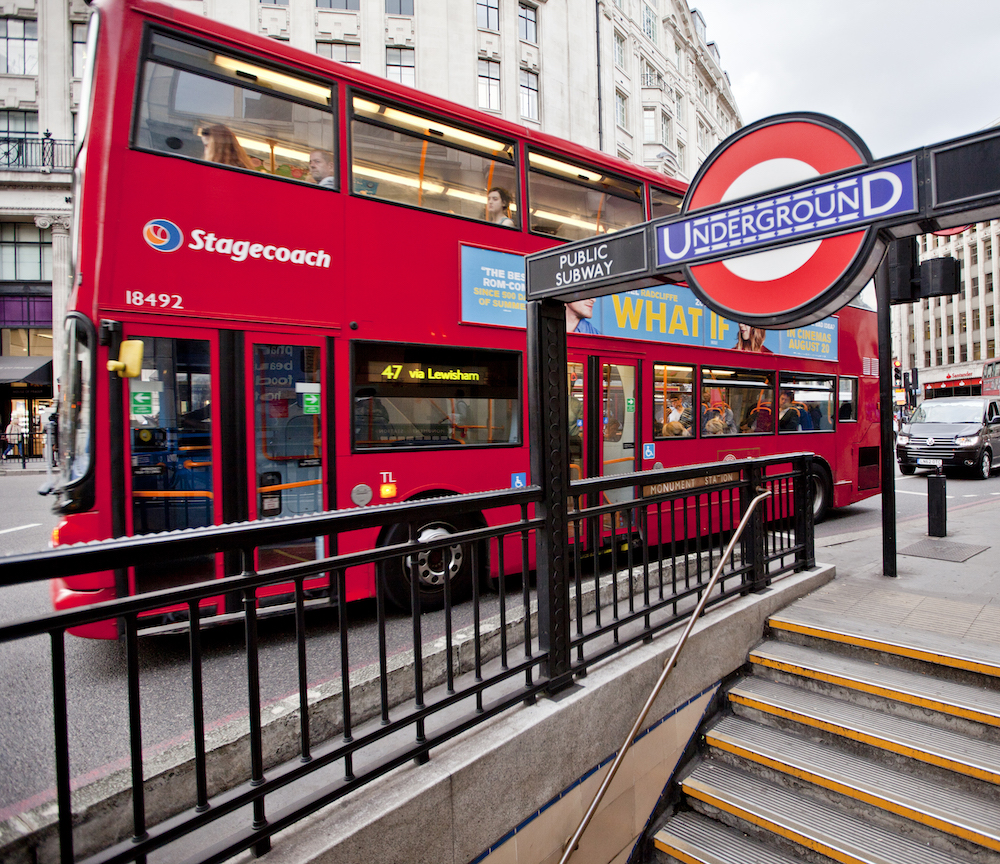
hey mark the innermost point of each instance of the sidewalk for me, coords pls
(946, 596)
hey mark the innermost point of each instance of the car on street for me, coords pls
(951, 432)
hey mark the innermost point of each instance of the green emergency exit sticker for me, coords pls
(142, 403)
(310, 403)
(630, 406)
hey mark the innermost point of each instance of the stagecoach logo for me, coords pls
(163, 235)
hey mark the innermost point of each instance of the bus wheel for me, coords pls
(822, 493)
(908, 470)
(433, 567)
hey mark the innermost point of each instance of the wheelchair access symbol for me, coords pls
(519, 481)
(648, 451)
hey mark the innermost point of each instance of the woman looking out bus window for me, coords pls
(498, 203)
(222, 147)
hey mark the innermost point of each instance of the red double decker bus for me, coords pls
(310, 282)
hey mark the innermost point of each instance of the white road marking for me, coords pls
(20, 528)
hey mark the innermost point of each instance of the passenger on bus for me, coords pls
(788, 414)
(222, 147)
(680, 411)
(322, 169)
(716, 409)
(578, 315)
(498, 201)
(751, 339)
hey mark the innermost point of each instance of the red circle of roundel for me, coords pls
(823, 148)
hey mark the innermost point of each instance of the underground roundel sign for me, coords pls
(807, 277)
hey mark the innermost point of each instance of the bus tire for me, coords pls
(822, 492)
(908, 470)
(453, 563)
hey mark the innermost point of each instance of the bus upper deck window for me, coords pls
(573, 202)
(424, 162)
(199, 103)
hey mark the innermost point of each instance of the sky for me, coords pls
(901, 73)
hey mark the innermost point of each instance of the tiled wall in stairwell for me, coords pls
(626, 807)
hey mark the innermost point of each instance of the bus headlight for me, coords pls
(967, 440)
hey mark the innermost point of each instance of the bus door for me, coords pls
(603, 421)
(172, 439)
(285, 387)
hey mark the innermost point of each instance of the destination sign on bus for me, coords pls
(426, 373)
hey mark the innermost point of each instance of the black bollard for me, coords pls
(937, 507)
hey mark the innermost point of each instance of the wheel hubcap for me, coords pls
(436, 565)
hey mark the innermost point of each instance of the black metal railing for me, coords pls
(34, 153)
(642, 549)
(25, 447)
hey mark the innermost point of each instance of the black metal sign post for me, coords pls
(942, 186)
(887, 463)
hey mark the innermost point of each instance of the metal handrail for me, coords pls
(573, 843)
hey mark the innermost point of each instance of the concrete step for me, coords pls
(691, 838)
(929, 804)
(970, 656)
(931, 693)
(745, 800)
(942, 748)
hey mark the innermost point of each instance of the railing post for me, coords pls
(752, 543)
(804, 526)
(548, 419)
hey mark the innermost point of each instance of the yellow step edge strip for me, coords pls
(694, 791)
(888, 647)
(853, 792)
(876, 690)
(873, 740)
(674, 852)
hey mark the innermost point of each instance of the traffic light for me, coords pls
(897, 372)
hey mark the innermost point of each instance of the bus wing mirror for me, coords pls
(129, 362)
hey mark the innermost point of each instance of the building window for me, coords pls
(988, 278)
(25, 253)
(989, 317)
(399, 7)
(702, 136)
(961, 322)
(927, 359)
(529, 95)
(681, 157)
(19, 43)
(975, 320)
(649, 124)
(974, 254)
(400, 66)
(489, 85)
(938, 357)
(664, 129)
(649, 23)
(679, 105)
(619, 50)
(990, 348)
(963, 356)
(951, 354)
(488, 14)
(17, 124)
(527, 24)
(937, 328)
(701, 89)
(621, 109)
(79, 35)
(987, 249)
(342, 52)
(927, 330)
(352, 5)
(975, 351)
(975, 286)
